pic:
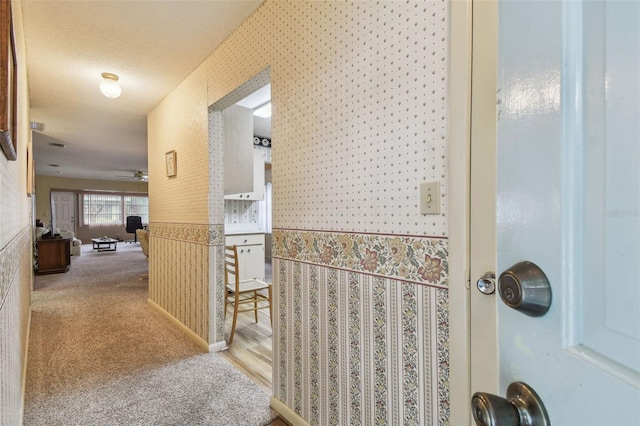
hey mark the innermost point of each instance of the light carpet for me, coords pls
(100, 355)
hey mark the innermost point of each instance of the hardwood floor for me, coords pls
(251, 351)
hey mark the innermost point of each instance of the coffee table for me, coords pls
(104, 244)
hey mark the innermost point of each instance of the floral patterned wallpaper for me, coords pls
(419, 260)
(359, 120)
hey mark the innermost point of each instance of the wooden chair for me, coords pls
(245, 292)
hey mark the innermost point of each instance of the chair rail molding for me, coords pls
(209, 234)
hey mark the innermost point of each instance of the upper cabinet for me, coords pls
(257, 190)
(238, 152)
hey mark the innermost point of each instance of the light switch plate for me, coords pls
(430, 198)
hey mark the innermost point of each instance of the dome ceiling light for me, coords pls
(109, 85)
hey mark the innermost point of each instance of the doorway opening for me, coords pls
(241, 129)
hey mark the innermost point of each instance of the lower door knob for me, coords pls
(522, 406)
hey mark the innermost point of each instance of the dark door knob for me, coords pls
(521, 407)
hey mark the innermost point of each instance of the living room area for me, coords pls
(91, 207)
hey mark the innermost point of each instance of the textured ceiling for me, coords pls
(151, 45)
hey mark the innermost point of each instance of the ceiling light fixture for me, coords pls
(263, 111)
(109, 85)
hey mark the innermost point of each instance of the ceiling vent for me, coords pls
(57, 144)
(54, 165)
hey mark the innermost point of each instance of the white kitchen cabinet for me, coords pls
(257, 192)
(250, 254)
(238, 150)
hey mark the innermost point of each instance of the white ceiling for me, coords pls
(151, 45)
(257, 98)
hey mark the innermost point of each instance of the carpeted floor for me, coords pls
(100, 355)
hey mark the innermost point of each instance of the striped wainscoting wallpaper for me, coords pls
(16, 274)
(180, 256)
(355, 347)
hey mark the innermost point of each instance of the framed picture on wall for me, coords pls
(8, 84)
(172, 169)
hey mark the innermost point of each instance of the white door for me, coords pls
(63, 206)
(568, 200)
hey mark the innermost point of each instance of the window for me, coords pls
(136, 206)
(102, 209)
(112, 209)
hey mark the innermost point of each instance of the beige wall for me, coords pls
(360, 276)
(16, 253)
(44, 185)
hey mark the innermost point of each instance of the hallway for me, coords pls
(98, 354)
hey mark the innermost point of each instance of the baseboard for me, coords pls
(218, 346)
(186, 330)
(287, 413)
(24, 366)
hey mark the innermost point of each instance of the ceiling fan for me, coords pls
(137, 175)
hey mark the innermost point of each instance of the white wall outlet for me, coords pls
(430, 198)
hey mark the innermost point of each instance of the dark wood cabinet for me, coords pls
(54, 255)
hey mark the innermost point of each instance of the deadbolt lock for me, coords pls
(525, 288)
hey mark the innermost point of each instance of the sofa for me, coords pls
(76, 249)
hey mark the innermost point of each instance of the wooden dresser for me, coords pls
(54, 255)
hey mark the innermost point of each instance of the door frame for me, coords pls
(472, 121)
(482, 208)
(460, 45)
